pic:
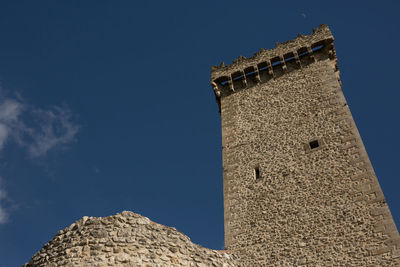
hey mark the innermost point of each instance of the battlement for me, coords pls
(299, 189)
(272, 63)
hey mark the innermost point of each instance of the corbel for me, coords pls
(296, 57)
(270, 71)
(258, 78)
(283, 63)
(244, 81)
(310, 53)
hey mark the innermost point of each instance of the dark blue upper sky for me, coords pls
(106, 105)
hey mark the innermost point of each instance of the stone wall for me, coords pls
(125, 239)
(299, 189)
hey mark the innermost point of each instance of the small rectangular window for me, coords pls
(257, 173)
(314, 144)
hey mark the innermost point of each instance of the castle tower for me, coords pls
(299, 188)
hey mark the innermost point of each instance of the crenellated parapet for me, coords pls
(272, 63)
(299, 188)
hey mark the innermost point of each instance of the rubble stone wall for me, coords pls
(125, 239)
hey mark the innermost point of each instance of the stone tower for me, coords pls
(299, 188)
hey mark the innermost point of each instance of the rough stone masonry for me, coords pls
(125, 239)
(299, 189)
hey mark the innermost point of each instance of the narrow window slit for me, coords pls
(257, 173)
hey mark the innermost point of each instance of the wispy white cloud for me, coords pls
(34, 129)
(3, 135)
(55, 128)
(38, 130)
(9, 112)
(3, 212)
(303, 15)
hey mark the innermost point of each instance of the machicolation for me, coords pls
(299, 189)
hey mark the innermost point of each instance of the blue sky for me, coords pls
(106, 106)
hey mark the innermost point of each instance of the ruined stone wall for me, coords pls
(125, 239)
(286, 203)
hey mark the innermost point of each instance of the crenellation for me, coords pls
(226, 83)
(299, 45)
(320, 34)
(316, 179)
